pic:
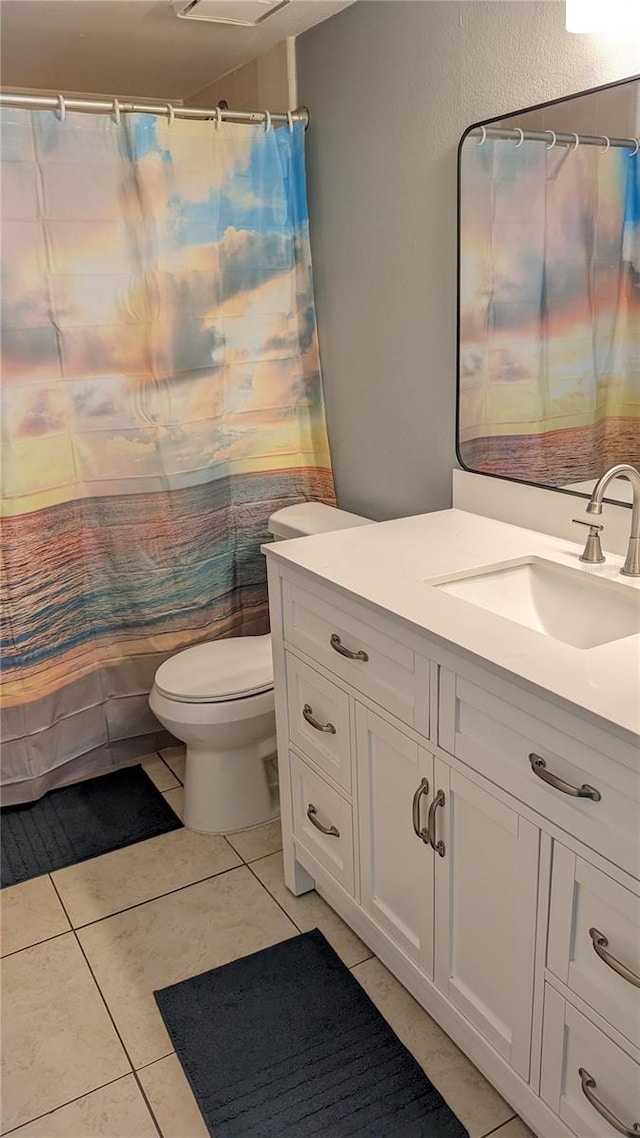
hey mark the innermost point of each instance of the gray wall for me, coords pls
(391, 86)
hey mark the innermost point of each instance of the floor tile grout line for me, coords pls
(162, 790)
(236, 852)
(158, 1060)
(112, 1020)
(147, 900)
(145, 1099)
(273, 898)
(350, 966)
(36, 943)
(246, 860)
(262, 857)
(38, 1117)
(136, 904)
(365, 959)
(97, 984)
(233, 848)
(170, 768)
(497, 1129)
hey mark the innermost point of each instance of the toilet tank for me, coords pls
(311, 517)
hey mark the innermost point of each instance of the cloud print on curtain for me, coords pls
(162, 395)
(549, 310)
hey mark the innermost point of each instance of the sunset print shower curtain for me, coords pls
(161, 396)
(549, 309)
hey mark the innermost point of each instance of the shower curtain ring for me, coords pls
(576, 143)
(62, 108)
(521, 133)
(483, 135)
(171, 114)
(290, 121)
(218, 117)
(634, 152)
(608, 142)
(551, 144)
(267, 121)
(116, 111)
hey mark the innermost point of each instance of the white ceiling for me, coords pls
(134, 47)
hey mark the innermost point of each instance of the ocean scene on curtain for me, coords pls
(161, 397)
(549, 310)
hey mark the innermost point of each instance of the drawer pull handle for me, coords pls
(332, 831)
(420, 832)
(431, 823)
(588, 1086)
(307, 713)
(600, 943)
(338, 646)
(539, 767)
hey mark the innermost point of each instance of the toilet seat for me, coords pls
(218, 671)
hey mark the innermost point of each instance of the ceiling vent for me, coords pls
(243, 13)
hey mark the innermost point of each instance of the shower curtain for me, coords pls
(161, 397)
(549, 310)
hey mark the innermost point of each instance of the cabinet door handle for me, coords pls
(333, 831)
(307, 713)
(539, 767)
(588, 1086)
(420, 832)
(338, 646)
(600, 944)
(431, 823)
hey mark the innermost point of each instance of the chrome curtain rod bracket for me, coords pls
(127, 106)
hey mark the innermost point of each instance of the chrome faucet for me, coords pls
(631, 567)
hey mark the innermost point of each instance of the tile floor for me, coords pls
(86, 1054)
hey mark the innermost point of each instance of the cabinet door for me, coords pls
(395, 782)
(485, 894)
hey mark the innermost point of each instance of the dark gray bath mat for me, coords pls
(81, 821)
(286, 1044)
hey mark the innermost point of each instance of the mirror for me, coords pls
(549, 292)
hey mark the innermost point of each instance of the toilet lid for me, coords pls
(218, 670)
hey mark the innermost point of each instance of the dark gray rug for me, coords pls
(81, 821)
(286, 1044)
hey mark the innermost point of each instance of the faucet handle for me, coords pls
(592, 553)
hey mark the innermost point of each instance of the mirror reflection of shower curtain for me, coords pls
(162, 396)
(550, 310)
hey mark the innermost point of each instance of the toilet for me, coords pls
(218, 698)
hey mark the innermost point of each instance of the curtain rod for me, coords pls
(125, 106)
(573, 140)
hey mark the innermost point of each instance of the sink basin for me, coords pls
(565, 604)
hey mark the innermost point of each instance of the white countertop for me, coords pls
(386, 564)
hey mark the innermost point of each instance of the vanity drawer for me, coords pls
(583, 899)
(319, 721)
(322, 822)
(611, 1079)
(502, 740)
(358, 648)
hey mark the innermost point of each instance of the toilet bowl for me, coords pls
(218, 699)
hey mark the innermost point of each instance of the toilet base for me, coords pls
(230, 790)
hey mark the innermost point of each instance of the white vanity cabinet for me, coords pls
(411, 800)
